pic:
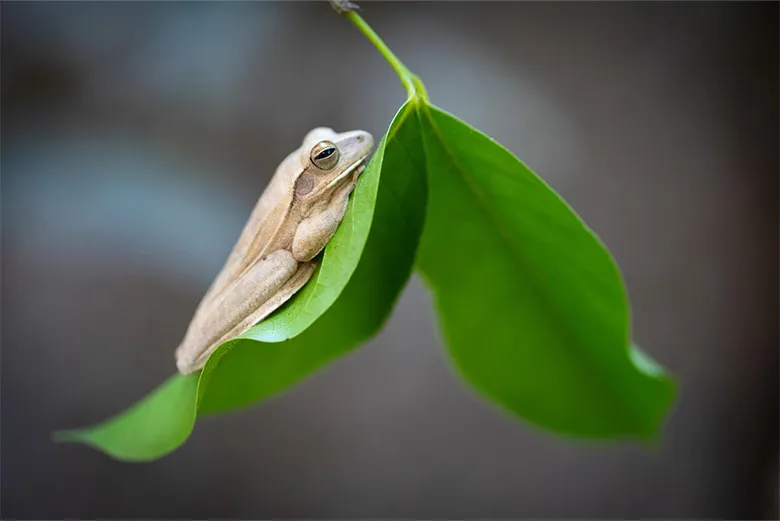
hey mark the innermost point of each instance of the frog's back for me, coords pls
(264, 232)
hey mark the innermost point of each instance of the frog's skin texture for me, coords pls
(291, 223)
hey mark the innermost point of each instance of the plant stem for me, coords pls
(411, 83)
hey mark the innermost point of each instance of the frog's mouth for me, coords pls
(356, 167)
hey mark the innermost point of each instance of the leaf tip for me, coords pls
(66, 436)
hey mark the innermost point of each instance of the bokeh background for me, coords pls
(136, 138)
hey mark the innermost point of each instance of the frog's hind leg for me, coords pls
(261, 289)
(290, 288)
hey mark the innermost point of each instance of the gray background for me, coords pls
(137, 136)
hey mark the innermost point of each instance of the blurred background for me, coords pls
(136, 138)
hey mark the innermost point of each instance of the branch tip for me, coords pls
(344, 6)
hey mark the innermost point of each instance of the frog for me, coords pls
(274, 257)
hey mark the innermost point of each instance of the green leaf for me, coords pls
(365, 302)
(532, 305)
(151, 428)
(363, 270)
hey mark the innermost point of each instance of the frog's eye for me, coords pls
(325, 155)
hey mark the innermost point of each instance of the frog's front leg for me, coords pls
(314, 232)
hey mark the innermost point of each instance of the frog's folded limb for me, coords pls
(314, 232)
(262, 288)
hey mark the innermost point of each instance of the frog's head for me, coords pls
(329, 159)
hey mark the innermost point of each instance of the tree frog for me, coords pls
(293, 220)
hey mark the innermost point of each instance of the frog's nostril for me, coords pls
(361, 138)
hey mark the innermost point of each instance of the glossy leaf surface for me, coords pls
(532, 305)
